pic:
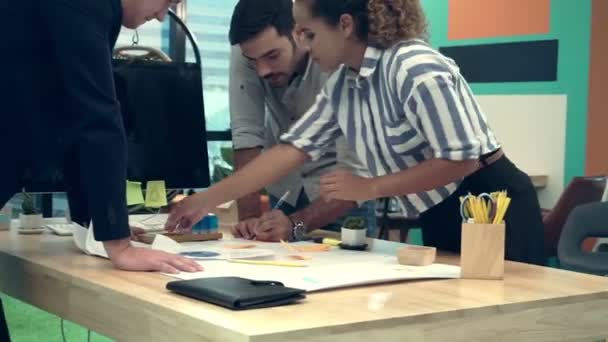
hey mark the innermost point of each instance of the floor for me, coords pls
(29, 324)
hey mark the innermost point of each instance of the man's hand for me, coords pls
(187, 212)
(136, 232)
(129, 258)
(274, 226)
(343, 185)
(246, 229)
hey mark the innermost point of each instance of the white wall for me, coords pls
(532, 130)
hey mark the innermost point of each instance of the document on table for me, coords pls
(326, 270)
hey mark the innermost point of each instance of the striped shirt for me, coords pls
(406, 105)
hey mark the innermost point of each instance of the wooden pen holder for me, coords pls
(482, 251)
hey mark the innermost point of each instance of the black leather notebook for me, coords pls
(237, 293)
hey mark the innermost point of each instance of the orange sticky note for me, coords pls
(305, 248)
(241, 246)
(300, 257)
(313, 248)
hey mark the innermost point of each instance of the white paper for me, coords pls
(326, 270)
(80, 238)
(165, 244)
(85, 241)
(226, 205)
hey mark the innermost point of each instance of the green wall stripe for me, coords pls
(571, 25)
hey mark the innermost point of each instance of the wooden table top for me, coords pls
(49, 272)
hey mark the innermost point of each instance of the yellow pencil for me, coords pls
(484, 209)
(499, 218)
(503, 205)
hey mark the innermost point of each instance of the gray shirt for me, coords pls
(260, 114)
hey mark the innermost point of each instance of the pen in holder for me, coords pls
(482, 250)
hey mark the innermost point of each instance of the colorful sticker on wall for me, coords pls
(134, 193)
(156, 194)
(472, 19)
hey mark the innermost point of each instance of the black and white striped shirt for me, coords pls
(407, 104)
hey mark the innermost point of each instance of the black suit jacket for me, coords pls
(59, 103)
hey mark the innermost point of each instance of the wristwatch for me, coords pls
(299, 229)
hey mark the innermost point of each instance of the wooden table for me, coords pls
(531, 304)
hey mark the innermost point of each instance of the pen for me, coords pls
(275, 207)
(282, 200)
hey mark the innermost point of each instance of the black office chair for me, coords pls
(581, 190)
(388, 220)
(588, 220)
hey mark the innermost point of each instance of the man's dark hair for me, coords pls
(250, 17)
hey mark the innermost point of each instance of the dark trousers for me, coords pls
(4, 335)
(441, 225)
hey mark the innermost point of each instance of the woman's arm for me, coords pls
(269, 167)
(425, 176)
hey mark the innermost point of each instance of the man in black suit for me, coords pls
(58, 106)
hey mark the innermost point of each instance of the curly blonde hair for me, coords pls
(391, 21)
(381, 23)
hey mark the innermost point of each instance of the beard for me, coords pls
(277, 80)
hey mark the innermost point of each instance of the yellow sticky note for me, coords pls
(156, 194)
(134, 193)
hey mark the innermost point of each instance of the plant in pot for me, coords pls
(354, 231)
(30, 218)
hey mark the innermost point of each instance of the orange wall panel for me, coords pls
(597, 119)
(470, 19)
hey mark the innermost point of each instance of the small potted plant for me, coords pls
(30, 218)
(353, 231)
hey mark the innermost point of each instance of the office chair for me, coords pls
(581, 190)
(589, 220)
(394, 220)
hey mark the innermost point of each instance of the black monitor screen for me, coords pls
(163, 114)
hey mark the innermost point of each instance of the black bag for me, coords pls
(164, 119)
(237, 293)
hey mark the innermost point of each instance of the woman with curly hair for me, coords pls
(411, 118)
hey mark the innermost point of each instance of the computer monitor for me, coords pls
(163, 115)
